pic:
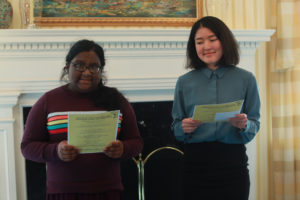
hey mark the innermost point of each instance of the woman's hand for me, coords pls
(114, 149)
(189, 125)
(67, 152)
(239, 121)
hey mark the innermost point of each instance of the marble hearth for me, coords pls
(143, 63)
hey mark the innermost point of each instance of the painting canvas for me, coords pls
(116, 12)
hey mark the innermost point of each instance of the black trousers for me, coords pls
(215, 171)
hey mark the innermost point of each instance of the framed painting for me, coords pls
(116, 12)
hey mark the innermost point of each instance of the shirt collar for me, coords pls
(219, 72)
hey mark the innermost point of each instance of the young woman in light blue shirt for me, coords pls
(215, 161)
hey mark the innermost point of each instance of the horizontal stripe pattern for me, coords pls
(58, 126)
(60, 121)
(57, 122)
(57, 131)
(120, 122)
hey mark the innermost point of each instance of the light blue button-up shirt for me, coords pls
(204, 86)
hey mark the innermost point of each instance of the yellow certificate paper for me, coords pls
(217, 112)
(92, 131)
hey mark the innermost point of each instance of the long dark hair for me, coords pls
(229, 44)
(103, 96)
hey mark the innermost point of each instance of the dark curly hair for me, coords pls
(229, 44)
(103, 96)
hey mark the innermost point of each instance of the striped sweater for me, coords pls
(88, 173)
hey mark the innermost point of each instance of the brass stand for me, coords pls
(141, 164)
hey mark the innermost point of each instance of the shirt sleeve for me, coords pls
(35, 144)
(129, 134)
(178, 112)
(252, 109)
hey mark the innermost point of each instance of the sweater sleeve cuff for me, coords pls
(246, 129)
(51, 153)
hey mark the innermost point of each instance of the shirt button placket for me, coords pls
(216, 97)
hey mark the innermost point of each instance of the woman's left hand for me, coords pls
(239, 121)
(114, 149)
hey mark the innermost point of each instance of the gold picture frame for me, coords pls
(45, 21)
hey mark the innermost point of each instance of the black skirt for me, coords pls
(214, 170)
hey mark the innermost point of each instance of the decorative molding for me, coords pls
(6, 121)
(9, 98)
(27, 86)
(4, 167)
(58, 46)
(253, 35)
(133, 45)
(8, 189)
(57, 40)
(41, 86)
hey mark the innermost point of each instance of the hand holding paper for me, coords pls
(239, 121)
(114, 149)
(67, 152)
(217, 112)
(189, 125)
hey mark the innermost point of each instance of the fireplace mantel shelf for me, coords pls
(143, 63)
(42, 50)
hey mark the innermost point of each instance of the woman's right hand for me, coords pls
(189, 125)
(67, 152)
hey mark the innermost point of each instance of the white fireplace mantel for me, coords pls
(143, 63)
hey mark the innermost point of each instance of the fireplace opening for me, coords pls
(155, 174)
